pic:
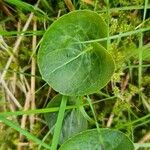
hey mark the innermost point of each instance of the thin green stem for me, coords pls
(108, 22)
(124, 8)
(87, 117)
(47, 110)
(79, 103)
(94, 115)
(136, 66)
(134, 122)
(59, 122)
(139, 145)
(145, 10)
(26, 33)
(140, 61)
(96, 121)
(95, 5)
(43, 140)
(119, 35)
(141, 52)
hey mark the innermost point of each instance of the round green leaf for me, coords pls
(73, 123)
(89, 140)
(69, 65)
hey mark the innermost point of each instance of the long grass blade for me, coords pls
(24, 132)
(59, 122)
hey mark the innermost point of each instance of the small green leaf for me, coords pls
(89, 140)
(52, 117)
(67, 64)
(73, 123)
(26, 6)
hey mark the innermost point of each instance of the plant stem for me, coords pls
(96, 122)
(59, 122)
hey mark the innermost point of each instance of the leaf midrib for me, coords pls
(64, 64)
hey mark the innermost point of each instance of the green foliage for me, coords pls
(73, 123)
(67, 64)
(122, 104)
(115, 3)
(74, 67)
(23, 131)
(8, 138)
(26, 7)
(89, 140)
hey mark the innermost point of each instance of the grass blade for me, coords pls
(59, 122)
(24, 132)
(119, 35)
(25, 6)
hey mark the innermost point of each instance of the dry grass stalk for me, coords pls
(33, 70)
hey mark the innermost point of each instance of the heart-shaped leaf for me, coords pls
(73, 123)
(89, 140)
(68, 64)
